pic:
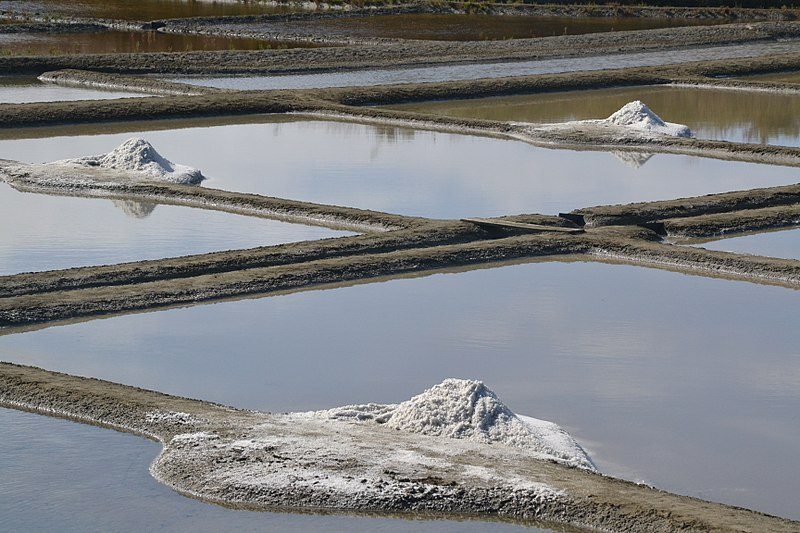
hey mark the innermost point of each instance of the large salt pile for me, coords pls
(467, 409)
(636, 115)
(138, 155)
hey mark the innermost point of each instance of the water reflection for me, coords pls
(42, 232)
(399, 170)
(59, 475)
(138, 10)
(102, 42)
(780, 243)
(634, 160)
(135, 208)
(454, 27)
(779, 77)
(689, 383)
(742, 116)
(23, 89)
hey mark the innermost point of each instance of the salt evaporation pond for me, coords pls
(26, 89)
(782, 243)
(141, 10)
(59, 475)
(491, 70)
(691, 384)
(740, 116)
(777, 77)
(405, 171)
(473, 27)
(43, 232)
(118, 41)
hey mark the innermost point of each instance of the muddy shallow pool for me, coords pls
(43, 232)
(473, 27)
(56, 474)
(688, 383)
(406, 171)
(109, 42)
(25, 89)
(137, 9)
(740, 116)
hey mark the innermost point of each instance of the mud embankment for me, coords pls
(139, 84)
(212, 452)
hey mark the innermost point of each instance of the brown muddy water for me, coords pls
(781, 243)
(59, 475)
(492, 70)
(778, 77)
(688, 383)
(25, 89)
(452, 27)
(106, 42)
(405, 171)
(137, 10)
(740, 116)
(42, 232)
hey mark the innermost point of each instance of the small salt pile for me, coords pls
(468, 409)
(636, 115)
(138, 155)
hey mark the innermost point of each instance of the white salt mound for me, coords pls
(467, 409)
(637, 115)
(138, 155)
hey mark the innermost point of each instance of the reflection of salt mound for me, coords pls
(135, 209)
(466, 409)
(632, 159)
(138, 155)
(637, 115)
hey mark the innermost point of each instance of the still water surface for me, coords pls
(143, 10)
(782, 243)
(740, 116)
(689, 383)
(25, 89)
(492, 70)
(112, 41)
(43, 232)
(406, 171)
(781, 77)
(59, 475)
(457, 27)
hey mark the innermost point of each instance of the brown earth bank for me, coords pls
(406, 53)
(203, 457)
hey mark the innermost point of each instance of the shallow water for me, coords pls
(24, 89)
(740, 116)
(102, 42)
(782, 243)
(453, 27)
(689, 383)
(59, 475)
(42, 232)
(782, 77)
(405, 171)
(491, 70)
(137, 9)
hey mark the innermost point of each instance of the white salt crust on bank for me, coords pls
(138, 155)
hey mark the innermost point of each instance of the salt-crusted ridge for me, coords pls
(468, 409)
(138, 155)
